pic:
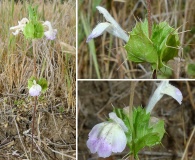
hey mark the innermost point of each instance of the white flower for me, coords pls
(35, 90)
(20, 26)
(108, 137)
(164, 88)
(111, 26)
(51, 33)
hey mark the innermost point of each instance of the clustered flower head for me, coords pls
(35, 90)
(108, 137)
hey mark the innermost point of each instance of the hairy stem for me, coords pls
(33, 121)
(34, 58)
(35, 75)
(132, 91)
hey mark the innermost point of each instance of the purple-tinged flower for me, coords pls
(108, 137)
(35, 90)
(111, 27)
(20, 26)
(164, 88)
(51, 33)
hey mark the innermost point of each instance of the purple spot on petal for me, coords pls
(178, 92)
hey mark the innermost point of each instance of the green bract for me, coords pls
(34, 29)
(42, 82)
(157, 50)
(142, 132)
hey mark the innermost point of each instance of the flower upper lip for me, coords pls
(51, 33)
(164, 88)
(111, 26)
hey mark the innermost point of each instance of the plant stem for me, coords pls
(154, 75)
(33, 121)
(132, 90)
(149, 18)
(34, 58)
(35, 75)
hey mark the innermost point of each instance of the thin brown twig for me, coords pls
(154, 74)
(188, 143)
(20, 138)
(190, 95)
(149, 18)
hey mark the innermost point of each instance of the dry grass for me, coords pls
(106, 58)
(56, 61)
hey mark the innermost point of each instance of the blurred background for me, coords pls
(105, 57)
(97, 98)
(55, 125)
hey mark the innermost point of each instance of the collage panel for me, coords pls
(37, 80)
(141, 119)
(135, 39)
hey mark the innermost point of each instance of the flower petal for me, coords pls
(117, 30)
(104, 138)
(20, 26)
(119, 140)
(164, 88)
(98, 30)
(119, 121)
(51, 33)
(173, 92)
(35, 90)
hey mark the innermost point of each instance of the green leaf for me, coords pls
(145, 133)
(139, 47)
(32, 11)
(30, 82)
(43, 83)
(38, 30)
(29, 30)
(34, 29)
(157, 50)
